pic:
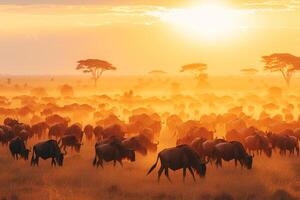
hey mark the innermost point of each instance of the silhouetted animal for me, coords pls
(45, 150)
(69, 141)
(258, 143)
(179, 157)
(113, 151)
(232, 151)
(17, 148)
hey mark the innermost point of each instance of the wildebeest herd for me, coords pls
(114, 140)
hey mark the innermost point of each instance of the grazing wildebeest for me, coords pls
(113, 151)
(179, 157)
(17, 148)
(258, 143)
(69, 141)
(45, 150)
(232, 150)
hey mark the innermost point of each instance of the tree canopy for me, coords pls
(194, 67)
(285, 63)
(95, 67)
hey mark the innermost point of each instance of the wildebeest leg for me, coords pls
(115, 163)
(235, 162)
(53, 162)
(37, 161)
(95, 160)
(160, 172)
(191, 171)
(183, 173)
(241, 162)
(167, 174)
(100, 162)
(17, 156)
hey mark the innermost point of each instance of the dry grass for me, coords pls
(276, 178)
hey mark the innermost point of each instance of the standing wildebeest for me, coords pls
(284, 143)
(113, 151)
(70, 141)
(258, 143)
(208, 148)
(135, 144)
(17, 147)
(232, 150)
(39, 129)
(45, 150)
(88, 131)
(179, 157)
(57, 130)
(75, 130)
(98, 132)
(6, 134)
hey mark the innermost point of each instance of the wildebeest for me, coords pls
(88, 131)
(69, 141)
(113, 151)
(57, 130)
(39, 129)
(6, 134)
(232, 150)
(75, 130)
(258, 143)
(208, 147)
(45, 150)
(98, 132)
(284, 143)
(179, 157)
(135, 143)
(17, 148)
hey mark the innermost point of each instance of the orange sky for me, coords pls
(139, 36)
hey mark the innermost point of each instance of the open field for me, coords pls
(271, 178)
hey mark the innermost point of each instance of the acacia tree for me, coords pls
(198, 69)
(95, 67)
(285, 63)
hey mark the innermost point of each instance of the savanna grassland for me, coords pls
(275, 178)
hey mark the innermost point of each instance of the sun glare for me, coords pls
(210, 21)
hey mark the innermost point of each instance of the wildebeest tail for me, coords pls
(153, 167)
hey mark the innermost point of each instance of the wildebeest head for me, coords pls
(25, 154)
(77, 147)
(60, 159)
(131, 155)
(248, 161)
(201, 168)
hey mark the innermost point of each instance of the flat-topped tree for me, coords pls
(198, 69)
(285, 63)
(95, 67)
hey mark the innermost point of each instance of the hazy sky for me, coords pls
(49, 36)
